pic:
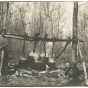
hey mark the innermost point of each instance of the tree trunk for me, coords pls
(74, 44)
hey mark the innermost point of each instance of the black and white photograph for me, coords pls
(43, 43)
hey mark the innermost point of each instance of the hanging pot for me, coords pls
(31, 62)
(23, 63)
(44, 60)
(51, 63)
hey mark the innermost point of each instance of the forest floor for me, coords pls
(37, 81)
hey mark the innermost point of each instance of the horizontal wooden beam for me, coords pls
(39, 39)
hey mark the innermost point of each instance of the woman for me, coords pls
(3, 53)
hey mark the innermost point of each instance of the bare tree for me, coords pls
(82, 26)
(46, 18)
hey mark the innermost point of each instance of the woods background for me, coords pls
(52, 18)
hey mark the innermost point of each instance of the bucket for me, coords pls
(23, 63)
(40, 66)
(44, 60)
(31, 62)
(51, 63)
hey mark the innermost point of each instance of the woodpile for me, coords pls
(50, 74)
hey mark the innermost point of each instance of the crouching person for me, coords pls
(3, 53)
(72, 71)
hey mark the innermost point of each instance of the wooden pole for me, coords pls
(38, 38)
(74, 44)
(53, 50)
(84, 64)
(35, 36)
(24, 47)
(25, 35)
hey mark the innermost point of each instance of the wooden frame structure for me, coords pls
(74, 40)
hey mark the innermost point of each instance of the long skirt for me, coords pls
(3, 61)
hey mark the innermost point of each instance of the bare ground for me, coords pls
(36, 81)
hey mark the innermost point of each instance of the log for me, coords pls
(39, 39)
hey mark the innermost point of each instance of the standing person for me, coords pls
(3, 53)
